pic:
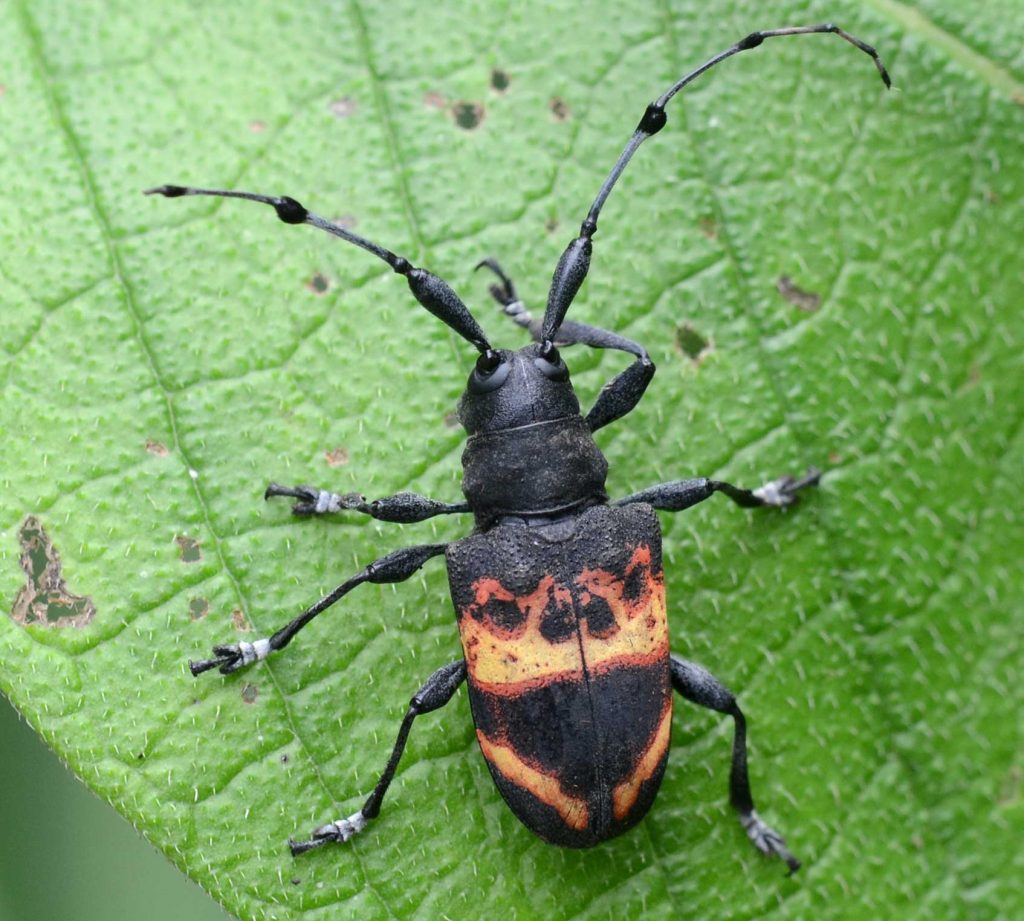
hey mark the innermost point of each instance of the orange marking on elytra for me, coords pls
(624, 796)
(572, 809)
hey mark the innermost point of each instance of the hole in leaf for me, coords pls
(691, 343)
(468, 114)
(189, 549)
(44, 599)
(319, 283)
(499, 80)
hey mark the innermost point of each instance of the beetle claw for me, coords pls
(768, 841)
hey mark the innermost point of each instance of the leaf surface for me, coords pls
(163, 360)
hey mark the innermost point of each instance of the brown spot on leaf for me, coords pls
(240, 621)
(198, 608)
(807, 301)
(834, 457)
(343, 107)
(249, 693)
(319, 283)
(435, 100)
(468, 114)
(559, 108)
(157, 448)
(257, 127)
(691, 343)
(709, 227)
(44, 599)
(189, 549)
(3, 90)
(1009, 792)
(336, 458)
(551, 224)
(500, 80)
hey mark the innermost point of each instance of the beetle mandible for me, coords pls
(558, 592)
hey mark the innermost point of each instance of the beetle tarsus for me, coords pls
(785, 491)
(230, 657)
(767, 840)
(333, 832)
(313, 501)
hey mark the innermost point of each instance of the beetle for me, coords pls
(559, 591)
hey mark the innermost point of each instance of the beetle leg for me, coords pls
(435, 693)
(395, 567)
(699, 686)
(683, 494)
(403, 507)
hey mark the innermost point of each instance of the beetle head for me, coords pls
(510, 389)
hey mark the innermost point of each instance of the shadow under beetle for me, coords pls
(558, 592)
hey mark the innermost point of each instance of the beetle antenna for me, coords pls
(431, 291)
(575, 261)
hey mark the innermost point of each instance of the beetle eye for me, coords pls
(550, 364)
(490, 372)
(487, 362)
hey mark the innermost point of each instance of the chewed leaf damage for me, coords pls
(44, 599)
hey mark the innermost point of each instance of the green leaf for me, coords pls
(163, 360)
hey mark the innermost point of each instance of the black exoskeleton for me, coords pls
(559, 592)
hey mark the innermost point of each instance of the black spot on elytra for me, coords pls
(503, 613)
(468, 115)
(635, 583)
(558, 620)
(500, 80)
(600, 619)
(44, 599)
